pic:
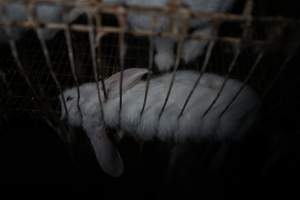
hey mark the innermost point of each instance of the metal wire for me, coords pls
(180, 41)
(203, 69)
(248, 13)
(150, 66)
(31, 14)
(15, 54)
(98, 41)
(68, 137)
(231, 67)
(117, 10)
(73, 68)
(97, 31)
(121, 19)
(282, 68)
(245, 82)
(27, 80)
(92, 41)
(50, 67)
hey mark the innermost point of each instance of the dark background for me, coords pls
(265, 165)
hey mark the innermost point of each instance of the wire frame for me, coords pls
(89, 49)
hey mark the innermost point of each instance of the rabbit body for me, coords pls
(139, 21)
(147, 126)
(165, 58)
(192, 124)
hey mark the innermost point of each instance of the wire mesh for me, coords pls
(100, 42)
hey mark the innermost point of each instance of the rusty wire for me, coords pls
(122, 51)
(36, 93)
(120, 10)
(92, 40)
(247, 12)
(174, 9)
(202, 71)
(97, 30)
(245, 82)
(73, 68)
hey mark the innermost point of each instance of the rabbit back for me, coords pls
(192, 124)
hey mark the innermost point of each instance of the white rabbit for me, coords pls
(45, 12)
(12, 11)
(49, 13)
(91, 120)
(165, 58)
(192, 125)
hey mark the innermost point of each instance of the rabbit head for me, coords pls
(89, 117)
(87, 95)
(71, 96)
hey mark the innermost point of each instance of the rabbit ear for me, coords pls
(130, 77)
(107, 154)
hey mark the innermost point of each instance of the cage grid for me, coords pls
(100, 43)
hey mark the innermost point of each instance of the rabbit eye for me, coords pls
(69, 98)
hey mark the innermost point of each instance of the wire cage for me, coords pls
(244, 44)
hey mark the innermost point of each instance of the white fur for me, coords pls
(87, 93)
(190, 125)
(165, 53)
(165, 50)
(165, 58)
(90, 118)
(193, 48)
(233, 124)
(16, 11)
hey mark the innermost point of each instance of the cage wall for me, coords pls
(250, 42)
